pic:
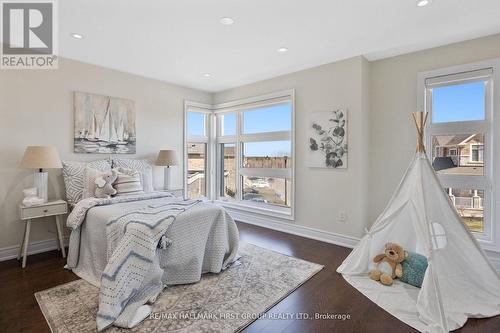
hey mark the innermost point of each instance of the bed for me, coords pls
(195, 237)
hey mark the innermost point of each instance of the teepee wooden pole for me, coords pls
(420, 118)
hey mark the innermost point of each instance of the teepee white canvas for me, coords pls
(459, 282)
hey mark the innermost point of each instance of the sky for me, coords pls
(459, 102)
(268, 119)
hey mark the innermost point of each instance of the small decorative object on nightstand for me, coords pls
(55, 208)
(167, 158)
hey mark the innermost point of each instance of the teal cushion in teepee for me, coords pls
(414, 267)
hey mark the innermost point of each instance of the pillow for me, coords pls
(144, 167)
(414, 267)
(73, 177)
(89, 177)
(128, 182)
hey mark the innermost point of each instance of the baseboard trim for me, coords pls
(10, 252)
(312, 233)
(294, 229)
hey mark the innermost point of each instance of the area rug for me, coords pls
(225, 302)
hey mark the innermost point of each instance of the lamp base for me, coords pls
(166, 179)
(41, 184)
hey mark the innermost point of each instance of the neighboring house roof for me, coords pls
(449, 140)
(455, 140)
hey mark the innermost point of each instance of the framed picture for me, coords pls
(104, 124)
(327, 139)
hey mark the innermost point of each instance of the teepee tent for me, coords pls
(459, 282)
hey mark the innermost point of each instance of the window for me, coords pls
(228, 124)
(459, 138)
(273, 118)
(458, 102)
(469, 204)
(458, 154)
(197, 165)
(255, 153)
(242, 153)
(267, 154)
(438, 236)
(196, 124)
(196, 153)
(477, 153)
(228, 169)
(269, 190)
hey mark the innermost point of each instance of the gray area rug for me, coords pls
(225, 302)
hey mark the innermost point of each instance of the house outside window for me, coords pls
(460, 142)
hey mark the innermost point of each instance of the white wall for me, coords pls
(322, 193)
(36, 108)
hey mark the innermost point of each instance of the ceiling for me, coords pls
(179, 41)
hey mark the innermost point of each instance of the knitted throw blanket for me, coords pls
(132, 276)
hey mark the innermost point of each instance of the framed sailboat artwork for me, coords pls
(104, 124)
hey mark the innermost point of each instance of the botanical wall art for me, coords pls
(328, 139)
(104, 124)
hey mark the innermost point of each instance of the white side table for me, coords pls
(52, 208)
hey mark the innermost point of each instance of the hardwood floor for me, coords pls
(326, 292)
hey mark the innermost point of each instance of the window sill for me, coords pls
(284, 213)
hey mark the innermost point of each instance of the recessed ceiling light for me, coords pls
(282, 49)
(207, 75)
(77, 36)
(423, 3)
(226, 21)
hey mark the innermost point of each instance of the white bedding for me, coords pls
(188, 238)
(92, 248)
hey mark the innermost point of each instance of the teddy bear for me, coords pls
(389, 264)
(104, 188)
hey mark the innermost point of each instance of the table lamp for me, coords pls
(41, 157)
(167, 158)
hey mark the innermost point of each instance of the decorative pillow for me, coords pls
(414, 267)
(89, 177)
(144, 167)
(128, 182)
(73, 177)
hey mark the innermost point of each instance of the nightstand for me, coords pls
(54, 208)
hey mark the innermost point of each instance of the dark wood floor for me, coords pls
(326, 292)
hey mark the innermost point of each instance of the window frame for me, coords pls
(239, 107)
(196, 139)
(489, 182)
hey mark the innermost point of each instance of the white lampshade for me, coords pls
(167, 158)
(41, 157)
